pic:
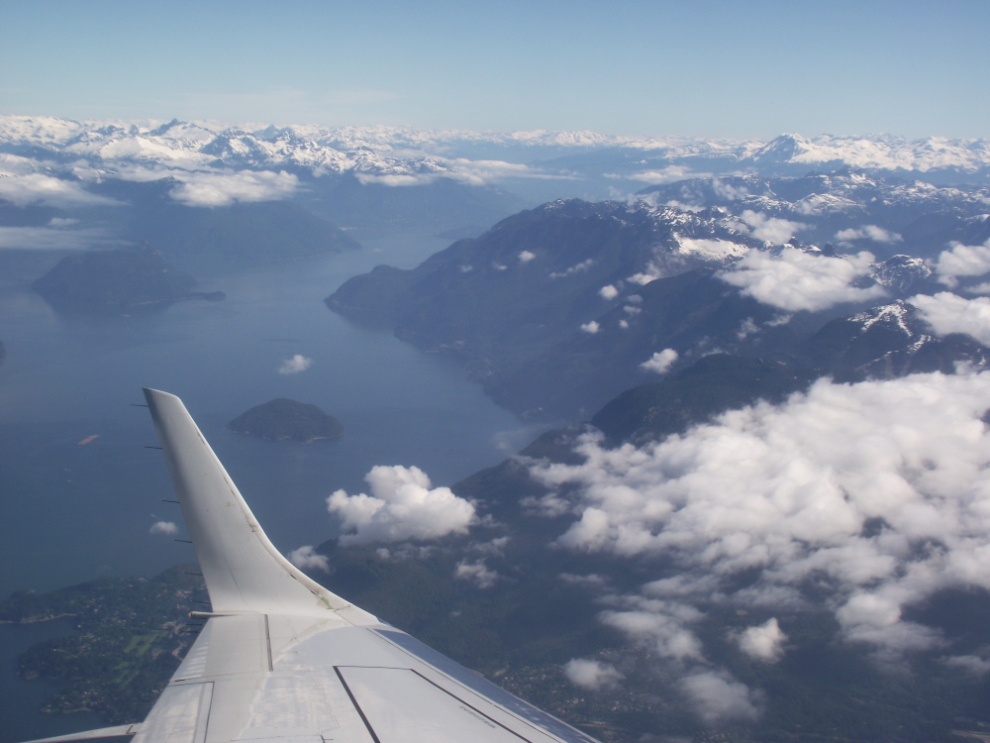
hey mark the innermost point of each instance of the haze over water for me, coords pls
(73, 512)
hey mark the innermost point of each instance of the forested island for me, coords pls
(133, 280)
(282, 419)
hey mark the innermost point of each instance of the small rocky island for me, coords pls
(288, 419)
(134, 280)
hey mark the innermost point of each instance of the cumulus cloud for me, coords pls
(591, 674)
(950, 313)
(868, 232)
(591, 327)
(764, 642)
(608, 292)
(769, 229)
(660, 362)
(525, 256)
(306, 558)
(402, 505)
(880, 491)
(718, 697)
(295, 365)
(164, 527)
(662, 625)
(962, 260)
(223, 189)
(476, 572)
(795, 280)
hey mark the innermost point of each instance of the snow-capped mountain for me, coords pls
(396, 151)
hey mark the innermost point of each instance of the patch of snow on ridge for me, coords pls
(714, 250)
(890, 313)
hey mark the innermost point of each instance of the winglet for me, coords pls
(243, 570)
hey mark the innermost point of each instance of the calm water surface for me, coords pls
(70, 512)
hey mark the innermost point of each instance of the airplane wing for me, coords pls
(281, 659)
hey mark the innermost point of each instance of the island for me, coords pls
(133, 280)
(283, 418)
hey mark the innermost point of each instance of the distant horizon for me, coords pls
(256, 125)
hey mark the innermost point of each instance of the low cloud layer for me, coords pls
(53, 238)
(223, 189)
(868, 232)
(950, 313)
(402, 505)
(306, 558)
(295, 365)
(164, 527)
(880, 491)
(795, 280)
(962, 260)
(22, 184)
(717, 697)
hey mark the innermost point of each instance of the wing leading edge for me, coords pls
(283, 659)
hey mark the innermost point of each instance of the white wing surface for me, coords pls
(282, 659)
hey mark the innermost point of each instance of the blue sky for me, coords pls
(733, 69)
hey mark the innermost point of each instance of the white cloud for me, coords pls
(591, 580)
(476, 572)
(23, 188)
(526, 256)
(662, 625)
(591, 674)
(660, 362)
(425, 171)
(794, 280)
(494, 547)
(164, 527)
(402, 506)
(718, 697)
(669, 174)
(769, 229)
(764, 642)
(950, 313)
(223, 189)
(306, 558)
(577, 268)
(962, 260)
(295, 365)
(974, 665)
(880, 491)
(868, 232)
(591, 327)
(608, 292)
